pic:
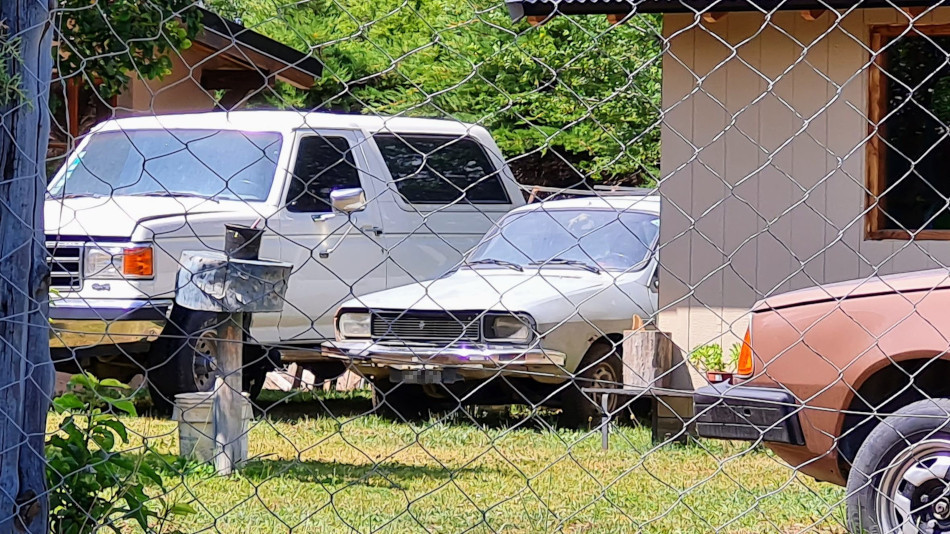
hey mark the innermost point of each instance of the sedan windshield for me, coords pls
(217, 164)
(598, 239)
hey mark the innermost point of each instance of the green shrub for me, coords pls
(94, 486)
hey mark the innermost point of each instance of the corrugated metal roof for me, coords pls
(523, 8)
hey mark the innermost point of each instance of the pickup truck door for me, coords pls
(447, 191)
(335, 256)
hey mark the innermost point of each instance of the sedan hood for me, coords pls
(875, 285)
(119, 216)
(533, 290)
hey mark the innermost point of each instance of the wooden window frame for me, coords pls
(876, 162)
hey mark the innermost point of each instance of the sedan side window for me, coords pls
(324, 163)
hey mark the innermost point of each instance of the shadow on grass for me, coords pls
(389, 475)
(294, 406)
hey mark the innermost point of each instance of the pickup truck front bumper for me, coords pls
(423, 362)
(76, 322)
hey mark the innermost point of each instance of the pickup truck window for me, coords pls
(440, 169)
(221, 164)
(323, 163)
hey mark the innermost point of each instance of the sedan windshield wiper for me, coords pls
(493, 261)
(74, 195)
(565, 261)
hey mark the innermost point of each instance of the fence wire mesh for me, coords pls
(474, 266)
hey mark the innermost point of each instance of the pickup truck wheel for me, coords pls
(898, 480)
(601, 367)
(183, 359)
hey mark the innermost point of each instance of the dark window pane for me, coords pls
(441, 169)
(323, 164)
(916, 79)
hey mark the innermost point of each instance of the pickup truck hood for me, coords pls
(119, 216)
(876, 285)
(548, 292)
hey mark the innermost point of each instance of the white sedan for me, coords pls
(533, 314)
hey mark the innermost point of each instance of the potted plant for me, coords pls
(710, 359)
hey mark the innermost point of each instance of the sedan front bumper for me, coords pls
(76, 322)
(465, 362)
(725, 411)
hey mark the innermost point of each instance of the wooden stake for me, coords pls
(812, 14)
(711, 17)
(615, 18)
(228, 401)
(637, 323)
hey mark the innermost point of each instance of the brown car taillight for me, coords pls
(744, 366)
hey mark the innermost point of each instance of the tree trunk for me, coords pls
(26, 372)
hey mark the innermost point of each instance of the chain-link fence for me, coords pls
(575, 266)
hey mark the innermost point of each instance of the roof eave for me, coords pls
(519, 9)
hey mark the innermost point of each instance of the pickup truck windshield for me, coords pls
(597, 238)
(219, 164)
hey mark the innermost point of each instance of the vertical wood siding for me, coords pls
(763, 165)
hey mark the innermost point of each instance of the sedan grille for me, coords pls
(437, 327)
(65, 265)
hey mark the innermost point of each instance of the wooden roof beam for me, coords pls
(537, 20)
(812, 14)
(711, 17)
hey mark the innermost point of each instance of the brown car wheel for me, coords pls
(601, 367)
(899, 479)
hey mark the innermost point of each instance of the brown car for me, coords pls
(850, 383)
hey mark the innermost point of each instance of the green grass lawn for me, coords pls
(510, 473)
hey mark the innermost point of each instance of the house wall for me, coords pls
(179, 92)
(763, 165)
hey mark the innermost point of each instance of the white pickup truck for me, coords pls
(409, 198)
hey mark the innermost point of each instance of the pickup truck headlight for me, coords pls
(119, 262)
(509, 328)
(352, 325)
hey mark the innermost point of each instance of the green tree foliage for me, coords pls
(573, 92)
(104, 41)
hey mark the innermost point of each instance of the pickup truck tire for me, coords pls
(601, 367)
(906, 456)
(182, 359)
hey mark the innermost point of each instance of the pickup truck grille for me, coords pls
(65, 265)
(436, 327)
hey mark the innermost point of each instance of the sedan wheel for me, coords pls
(914, 494)
(605, 376)
(900, 479)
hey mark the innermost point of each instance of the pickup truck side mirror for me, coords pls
(348, 200)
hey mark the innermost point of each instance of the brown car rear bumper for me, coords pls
(725, 411)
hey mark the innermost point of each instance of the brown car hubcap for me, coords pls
(914, 494)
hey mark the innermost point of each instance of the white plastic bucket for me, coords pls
(195, 415)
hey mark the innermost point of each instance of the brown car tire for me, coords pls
(910, 439)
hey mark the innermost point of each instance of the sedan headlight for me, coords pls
(353, 324)
(509, 328)
(118, 262)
